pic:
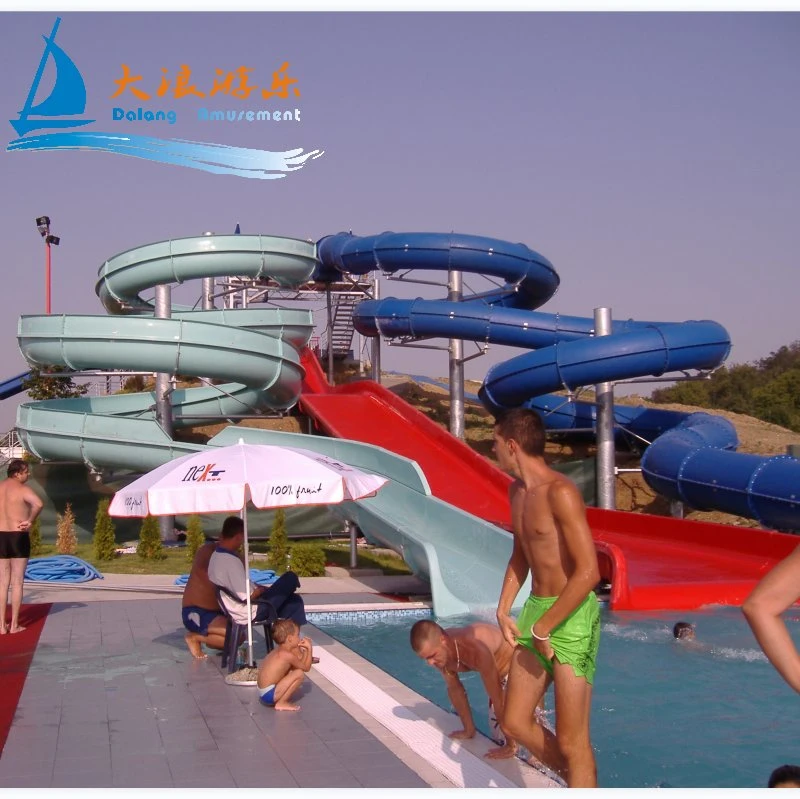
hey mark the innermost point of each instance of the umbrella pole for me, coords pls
(250, 661)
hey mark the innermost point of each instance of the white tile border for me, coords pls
(417, 736)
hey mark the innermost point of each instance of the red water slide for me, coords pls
(652, 562)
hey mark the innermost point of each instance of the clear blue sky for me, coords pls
(653, 158)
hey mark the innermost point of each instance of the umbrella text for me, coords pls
(289, 491)
(204, 473)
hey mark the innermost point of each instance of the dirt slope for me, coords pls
(633, 493)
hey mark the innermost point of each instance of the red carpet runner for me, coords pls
(16, 654)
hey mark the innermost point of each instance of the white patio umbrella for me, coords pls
(222, 480)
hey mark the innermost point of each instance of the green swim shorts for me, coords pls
(575, 641)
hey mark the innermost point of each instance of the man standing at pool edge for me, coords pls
(558, 631)
(19, 507)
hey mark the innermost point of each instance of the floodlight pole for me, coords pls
(43, 225)
(47, 273)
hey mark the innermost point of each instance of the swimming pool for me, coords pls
(663, 714)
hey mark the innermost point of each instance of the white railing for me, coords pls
(10, 446)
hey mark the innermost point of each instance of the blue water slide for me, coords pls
(463, 557)
(12, 386)
(702, 470)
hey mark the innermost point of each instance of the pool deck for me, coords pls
(114, 699)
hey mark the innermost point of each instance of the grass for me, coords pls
(336, 554)
(174, 563)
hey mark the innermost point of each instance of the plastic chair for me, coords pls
(234, 630)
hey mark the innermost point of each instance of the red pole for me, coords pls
(47, 276)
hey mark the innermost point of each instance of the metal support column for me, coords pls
(376, 341)
(351, 530)
(606, 454)
(330, 333)
(208, 293)
(456, 362)
(163, 310)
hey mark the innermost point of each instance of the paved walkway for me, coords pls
(113, 699)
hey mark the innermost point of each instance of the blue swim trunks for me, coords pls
(196, 620)
(267, 695)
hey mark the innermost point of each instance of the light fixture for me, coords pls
(53, 240)
(43, 223)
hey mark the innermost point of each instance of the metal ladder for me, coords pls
(342, 331)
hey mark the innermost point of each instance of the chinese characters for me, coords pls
(234, 84)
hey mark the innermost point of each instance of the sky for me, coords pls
(652, 158)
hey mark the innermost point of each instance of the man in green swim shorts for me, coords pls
(558, 632)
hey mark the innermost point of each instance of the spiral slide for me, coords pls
(463, 555)
(652, 563)
(257, 349)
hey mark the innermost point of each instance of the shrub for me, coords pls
(308, 560)
(66, 540)
(278, 559)
(105, 539)
(195, 537)
(36, 537)
(149, 547)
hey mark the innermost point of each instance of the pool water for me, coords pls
(664, 713)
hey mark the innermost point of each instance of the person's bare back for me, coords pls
(200, 591)
(478, 647)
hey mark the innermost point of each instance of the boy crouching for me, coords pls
(283, 670)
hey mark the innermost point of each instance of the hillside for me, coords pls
(633, 493)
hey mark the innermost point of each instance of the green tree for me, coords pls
(36, 537)
(66, 540)
(768, 389)
(105, 540)
(133, 385)
(778, 401)
(42, 386)
(308, 560)
(150, 547)
(195, 538)
(278, 559)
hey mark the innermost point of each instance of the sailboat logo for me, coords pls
(68, 98)
(65, 104)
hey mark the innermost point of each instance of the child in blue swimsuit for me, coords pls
(283, 670)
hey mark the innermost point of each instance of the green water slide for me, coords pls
(256, 355)
(257, 350)
(463, 557)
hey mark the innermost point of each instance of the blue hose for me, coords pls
(260, 576)
(61, 569)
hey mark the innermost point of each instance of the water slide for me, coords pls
(12, 386)
(691, 458)
(257, 351)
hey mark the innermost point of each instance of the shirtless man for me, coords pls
(19, 507)
(558, 631)
(200, 612)
(477, 647)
